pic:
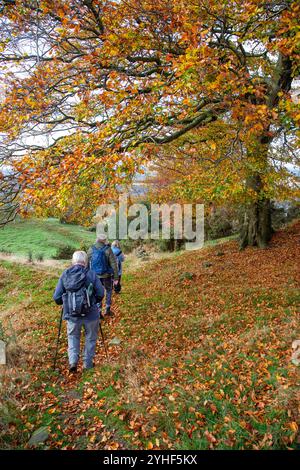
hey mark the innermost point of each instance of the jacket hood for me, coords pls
(101, 244)
(74, 277)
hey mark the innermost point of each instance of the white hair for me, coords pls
(80, 257)
(101, 237)
(116, 243)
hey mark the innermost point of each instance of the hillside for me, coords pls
(42, 237)
(203, 360)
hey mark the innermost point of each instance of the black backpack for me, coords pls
(76, 299)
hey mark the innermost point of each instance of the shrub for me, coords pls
(40, 257)
(5, 251)
(279, 216)
(169, 245)
(128, 246)
(223, 222)
(186, 276)
(84, 246)
(64, 252)
(140, 252)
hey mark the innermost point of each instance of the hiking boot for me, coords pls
(89, 367)
(73, 368)
(108, 312)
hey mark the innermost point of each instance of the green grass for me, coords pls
(42, 237)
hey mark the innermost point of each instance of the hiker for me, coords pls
(104, 263)
(116, 249)
(79, 291)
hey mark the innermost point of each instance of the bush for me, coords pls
(5, 251)
(223, 222)
(40, 257)
(128, 246)
(64, 252)
(186, 276)
(278, 215)
(84, 246)
(169, 245)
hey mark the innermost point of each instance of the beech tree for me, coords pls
(208, 166)
(93, 89)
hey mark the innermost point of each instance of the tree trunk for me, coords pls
(257, 227)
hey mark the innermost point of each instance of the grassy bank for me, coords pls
(42, 237)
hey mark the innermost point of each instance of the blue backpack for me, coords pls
(99, 261)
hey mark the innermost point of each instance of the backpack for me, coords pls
(76, 299)
(99, 260)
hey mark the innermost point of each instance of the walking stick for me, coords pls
(57, 342)
(103, 339)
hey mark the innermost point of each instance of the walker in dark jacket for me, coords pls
(71, 279)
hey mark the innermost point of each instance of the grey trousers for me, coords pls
(74, 328)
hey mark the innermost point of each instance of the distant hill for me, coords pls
(42, 237)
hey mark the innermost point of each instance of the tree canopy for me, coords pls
(92, 90)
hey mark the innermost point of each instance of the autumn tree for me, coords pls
(208, 166)
(91, 89)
